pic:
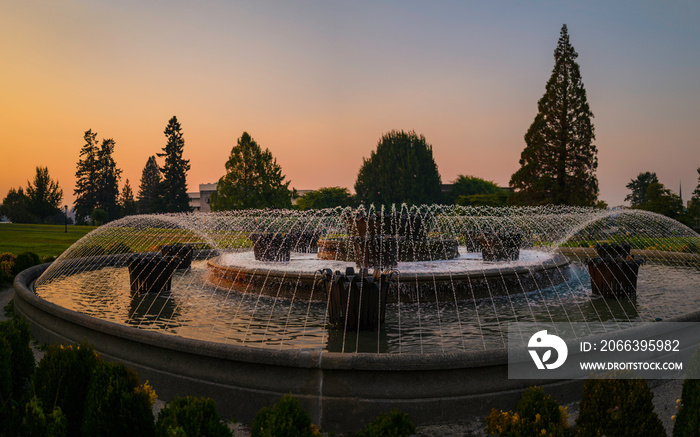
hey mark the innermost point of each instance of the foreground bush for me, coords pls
(391, 424)
(687, 421)
(37, 424)
(617, 408)
(117, 404)
(536, 414)
(24, 261)
(285, 419)
(16, 332)
(7, 264)
(190, 416)
(62, 379)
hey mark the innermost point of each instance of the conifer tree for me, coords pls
(401, 170)
(173, 187)
(127, 204)
(148, 200)
(639, 187)
(253, 179)
(86, 183)
(108, 180)
(559, 161)
(43, 195)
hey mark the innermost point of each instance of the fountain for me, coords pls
(355, 311)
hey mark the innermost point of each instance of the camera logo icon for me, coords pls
(541, 341)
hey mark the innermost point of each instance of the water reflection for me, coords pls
(196, 309)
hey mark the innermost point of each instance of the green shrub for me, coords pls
(391, 424)
(5, 377)
(536, 413)
(9, 309)
(117, 404)
(24, 261)
(37, 424)
(285, 419)
(16, 332)
(190, 416)
(62, 380)
(687, 421)
(617, 407)
(7, 264)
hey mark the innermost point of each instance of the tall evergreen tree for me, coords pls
(148, 200)
(253, 179)
(639, 188)
(86, 183)
(559, 161)
(173, 187)
(43, 195)
(127, 204)
(108, 180)
(401, 170)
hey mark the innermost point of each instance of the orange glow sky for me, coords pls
(319, 82)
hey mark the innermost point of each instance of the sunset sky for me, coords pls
(319, 82)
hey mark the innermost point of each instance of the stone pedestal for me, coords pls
(614, 271)
(151, 273)
(183, 253)
(357, 300)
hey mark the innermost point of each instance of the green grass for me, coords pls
(673, 244)
(44, 240)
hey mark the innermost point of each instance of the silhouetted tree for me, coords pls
(127, 204)
(253, 179)
(693, 211)
(401, 170)
(326, 197)
(559, 161)
(149, 188)
(97, 179)
(43, 195)
(86, 183)
(15, 207)
(639, 187)
(696, 192)
(660, 200)
(173, 187)
(108, 180)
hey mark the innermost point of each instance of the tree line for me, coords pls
(98, 198)
(162, 189)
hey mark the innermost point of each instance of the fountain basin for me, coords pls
(340, 391)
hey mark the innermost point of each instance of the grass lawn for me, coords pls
(44, 240)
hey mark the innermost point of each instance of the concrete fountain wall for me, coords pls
(340, 391)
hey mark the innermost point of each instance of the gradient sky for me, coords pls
(319, 82)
